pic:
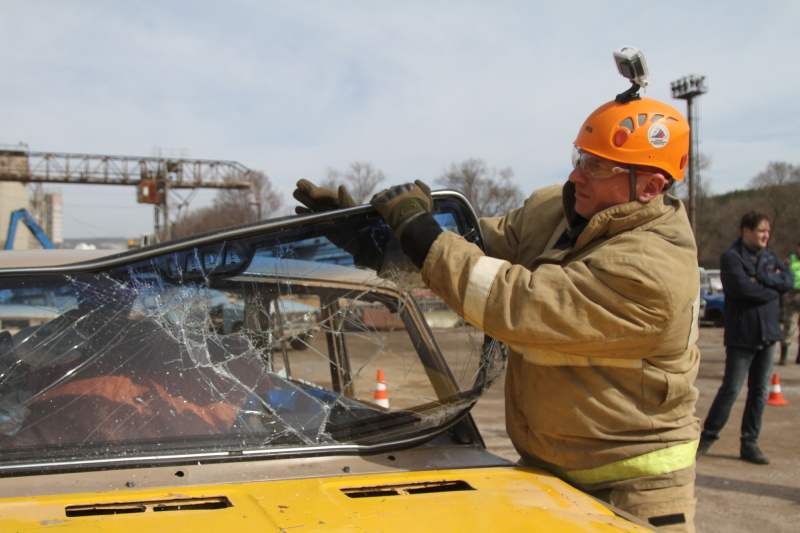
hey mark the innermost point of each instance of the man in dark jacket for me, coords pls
(753, 279)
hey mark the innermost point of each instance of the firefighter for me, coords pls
(594, 286)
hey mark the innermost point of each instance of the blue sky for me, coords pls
(294, 88)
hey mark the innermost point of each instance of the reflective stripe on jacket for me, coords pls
(661, 461)
(602, 335)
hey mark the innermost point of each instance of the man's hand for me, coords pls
(359, 244)
(407, 209)
(319, 199)
(402, 203)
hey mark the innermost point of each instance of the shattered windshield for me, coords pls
(282, 338)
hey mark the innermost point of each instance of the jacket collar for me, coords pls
(751, 254)
(619, 218)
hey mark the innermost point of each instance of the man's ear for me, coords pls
(651, 186)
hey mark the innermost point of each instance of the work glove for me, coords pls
(400, 204)
(319, 199)
(407, 209)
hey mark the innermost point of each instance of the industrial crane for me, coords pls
(154, 177)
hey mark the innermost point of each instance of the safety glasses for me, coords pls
(598, 167)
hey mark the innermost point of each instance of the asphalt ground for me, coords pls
(733, 495)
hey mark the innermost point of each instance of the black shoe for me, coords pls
(702, 449)
(752, 454)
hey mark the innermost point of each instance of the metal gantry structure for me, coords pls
(687, 88)
(154, 176)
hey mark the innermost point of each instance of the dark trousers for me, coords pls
(740, 363)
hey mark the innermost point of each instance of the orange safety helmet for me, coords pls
(642, 132)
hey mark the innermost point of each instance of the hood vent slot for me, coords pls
(406, 489)
(179, 504)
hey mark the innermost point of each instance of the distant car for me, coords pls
(714, 281)
(714, 312)
(168, 391)
(712, 299)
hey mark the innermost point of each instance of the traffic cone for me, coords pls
(775, 395)
(381, 398)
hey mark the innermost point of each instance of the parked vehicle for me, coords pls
(714, 281)
(171, 393)
(712, 299)
(714, 312)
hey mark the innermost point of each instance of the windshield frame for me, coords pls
(428, 349)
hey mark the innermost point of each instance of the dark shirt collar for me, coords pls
(751, 253)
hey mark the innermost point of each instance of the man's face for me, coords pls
(757, 237)
(597, 187)
(593, 195)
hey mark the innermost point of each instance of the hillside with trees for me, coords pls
(774, 191)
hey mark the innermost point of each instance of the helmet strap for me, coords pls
(634, 171)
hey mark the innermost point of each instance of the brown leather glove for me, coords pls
(400, 204)
(318, 199)
(357, 243)
(408, 211)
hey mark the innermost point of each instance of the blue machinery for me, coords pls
(22, 214)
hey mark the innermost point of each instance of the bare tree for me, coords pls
(490, 191)
(776, 173)
(361, 180)
(718, 226)
(773, 192)
(232, 207)
(260, 201)
(195, 221)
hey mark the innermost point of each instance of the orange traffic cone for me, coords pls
(775, 395)
(381, 398)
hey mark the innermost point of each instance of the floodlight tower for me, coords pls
(687, 88)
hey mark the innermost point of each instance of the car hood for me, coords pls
(491, 499)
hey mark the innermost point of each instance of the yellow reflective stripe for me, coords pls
(479, 285)
(650, 464)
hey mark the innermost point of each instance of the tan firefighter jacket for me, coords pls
(602, 335)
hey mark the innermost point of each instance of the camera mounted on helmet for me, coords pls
(637, 132)
(631, 64)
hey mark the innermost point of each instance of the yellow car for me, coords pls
(339, 402)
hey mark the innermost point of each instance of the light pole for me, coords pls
(687, 88)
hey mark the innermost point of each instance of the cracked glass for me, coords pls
(301, 335)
